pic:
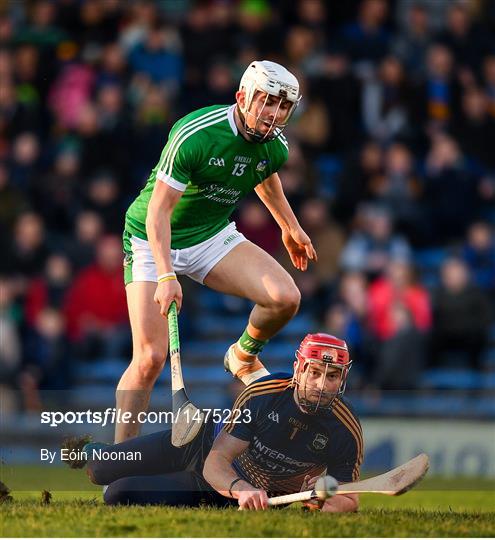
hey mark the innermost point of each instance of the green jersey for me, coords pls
(215, 167)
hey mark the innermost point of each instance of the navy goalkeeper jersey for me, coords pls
(286, 444)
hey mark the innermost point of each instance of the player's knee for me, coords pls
(119, 492)
(95, 472)
(149, 362)
(287, 300)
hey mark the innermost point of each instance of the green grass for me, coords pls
(436, 508)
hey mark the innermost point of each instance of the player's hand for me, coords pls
(166, 292)
(309, 484)
(255, 499)
(299, 246)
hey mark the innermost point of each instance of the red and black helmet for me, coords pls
(325, 350)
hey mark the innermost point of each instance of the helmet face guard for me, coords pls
(272, 80)
(321, 352)
(274, 129)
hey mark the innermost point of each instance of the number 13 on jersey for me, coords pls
(238, 169)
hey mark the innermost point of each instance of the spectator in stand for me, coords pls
(301, 50)
(397, 286)
(48, 290)
(115, 130)
(367, 38)
(313, 14)
(340, 321)
(103, 196)
(41, 30)
(314, 295)
(158, 57)
(352, 296)
(451, 191)
(360, 172)
(297, 180)
(313, 129)
(412, 41)
(32, 87)
(371, 248)
(112, 69)
(142, 14)
(47, 364)
(152, 120)
(13, 201)
(99, 24)
(352, 292)
(387, 102)
(95, 305)
(327, 236)
(437, 98)
(57, 195)
(468, 42)
(256, 224)
(29, 248)
(220, 84)
(87, 232)
(337, 90)
(10, 346)
(401, 356)
(479, 254)
(70, 94)
(259, 28)
(489, 81)
(461, 315)
(95, 146)
(399, 190)
(24, 167)
(475, 130)
(16, 117)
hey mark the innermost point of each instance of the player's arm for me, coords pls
(342, 503)
(220, 474)
(296, 241)
(160, 208)
(346, 467)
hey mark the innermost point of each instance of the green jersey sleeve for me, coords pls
(279, 153)
(179, 158)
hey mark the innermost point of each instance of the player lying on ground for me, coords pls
(293, 429)
(179, 224)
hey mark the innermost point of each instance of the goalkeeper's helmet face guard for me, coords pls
(320, 372)
(271, 94)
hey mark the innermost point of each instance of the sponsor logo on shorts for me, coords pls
(230, 238)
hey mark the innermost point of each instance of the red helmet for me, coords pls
(327, 351)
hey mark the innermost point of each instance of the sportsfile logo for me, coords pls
(111, 415)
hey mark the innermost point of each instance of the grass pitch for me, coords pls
(455, 508)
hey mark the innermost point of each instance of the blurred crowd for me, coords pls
(391, 169)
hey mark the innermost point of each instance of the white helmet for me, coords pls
(274, 80)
